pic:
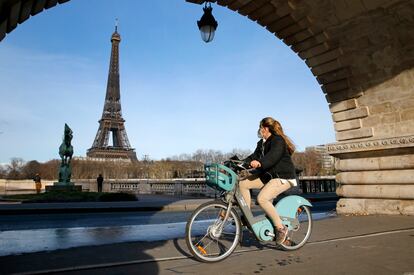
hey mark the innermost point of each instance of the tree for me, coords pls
(49, 170)
(309, 161)
(14, 169)
(184, 165)
(30, 169)
(3, 172)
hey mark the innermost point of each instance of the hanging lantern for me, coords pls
(207, 24)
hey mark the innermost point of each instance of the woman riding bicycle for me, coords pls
(276, 172)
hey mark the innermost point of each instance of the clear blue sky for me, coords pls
(178, 93)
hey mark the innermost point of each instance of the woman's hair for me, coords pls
(276, 129)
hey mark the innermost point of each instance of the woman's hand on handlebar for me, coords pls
(255, 164)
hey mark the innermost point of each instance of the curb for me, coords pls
(62, 210)
(66, 209)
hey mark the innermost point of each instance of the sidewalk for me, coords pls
(145, 203)
(340, 245)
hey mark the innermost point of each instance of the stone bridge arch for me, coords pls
(362, 54)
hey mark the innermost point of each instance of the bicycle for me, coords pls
(214, 229)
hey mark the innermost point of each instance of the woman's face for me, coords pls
(264, 132)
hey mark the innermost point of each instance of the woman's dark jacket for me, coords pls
(275, 159)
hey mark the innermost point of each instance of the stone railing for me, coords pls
(176, 187)
(319, 184)
(14, 187)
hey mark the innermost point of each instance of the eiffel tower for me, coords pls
(111, 125)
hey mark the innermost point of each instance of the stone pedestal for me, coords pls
(63, 187)
(376, 176)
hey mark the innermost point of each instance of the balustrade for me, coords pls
(175, 187)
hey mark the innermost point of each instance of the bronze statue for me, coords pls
(66, 152)
(65, 169)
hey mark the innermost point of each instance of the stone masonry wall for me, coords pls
(390, 106)
(375, 128)
(377, 173)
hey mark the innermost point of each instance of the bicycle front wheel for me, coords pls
(209, 238)
(298, 236)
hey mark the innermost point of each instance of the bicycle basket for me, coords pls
(220, 177)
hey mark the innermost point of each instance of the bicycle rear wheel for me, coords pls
(298, 236)
(209, 238)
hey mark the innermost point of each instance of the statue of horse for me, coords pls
(66, 152)
(66, 148)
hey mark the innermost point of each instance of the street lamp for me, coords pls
(207, 24)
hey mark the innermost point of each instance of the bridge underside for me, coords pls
(362, 54)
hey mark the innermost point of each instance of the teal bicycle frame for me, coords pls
(223, 178)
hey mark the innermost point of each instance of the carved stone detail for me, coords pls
(371, 145)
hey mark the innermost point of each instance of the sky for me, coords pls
(178, 94)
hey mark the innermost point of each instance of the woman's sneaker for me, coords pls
(281, 235)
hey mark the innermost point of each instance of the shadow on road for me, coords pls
(181, 248)
(82, 259)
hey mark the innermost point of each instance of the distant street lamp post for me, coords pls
(207, 24)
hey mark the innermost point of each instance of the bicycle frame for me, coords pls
(224, 178)
(260, 225)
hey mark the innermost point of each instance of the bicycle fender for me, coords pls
(288, 206)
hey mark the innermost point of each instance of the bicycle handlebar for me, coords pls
(239, 163)
(235, 160)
